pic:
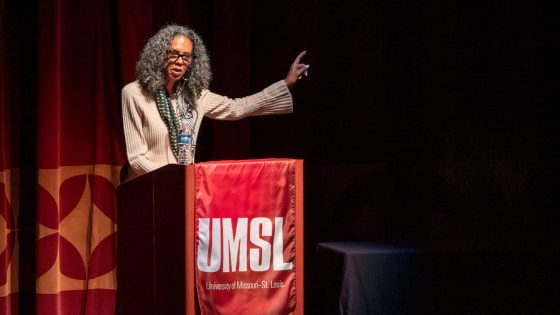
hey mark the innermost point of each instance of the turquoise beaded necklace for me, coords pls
(167, 113)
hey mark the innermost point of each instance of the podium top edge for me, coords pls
(249, 161)
(176, 167)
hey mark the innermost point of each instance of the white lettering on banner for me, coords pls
(234, 245)
(278, 243)
(204, 241)
(254, 253)
(242, 285)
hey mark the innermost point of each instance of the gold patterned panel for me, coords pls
(9, 248)
(85, 238)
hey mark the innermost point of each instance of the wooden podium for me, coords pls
(156, 250)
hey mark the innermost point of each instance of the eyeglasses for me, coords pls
(173, 56)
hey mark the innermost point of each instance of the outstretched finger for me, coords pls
(298, 58)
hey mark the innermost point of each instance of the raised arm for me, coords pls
(275, 99)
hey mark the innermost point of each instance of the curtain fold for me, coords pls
(79, 159)
(9, 179)
(62, 74)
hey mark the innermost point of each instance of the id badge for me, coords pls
(185, 139)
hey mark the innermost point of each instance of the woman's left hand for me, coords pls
(297, 71)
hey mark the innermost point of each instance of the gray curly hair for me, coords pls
(150, 69)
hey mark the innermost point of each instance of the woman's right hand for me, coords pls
(297, 70)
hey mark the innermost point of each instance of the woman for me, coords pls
(164, 107)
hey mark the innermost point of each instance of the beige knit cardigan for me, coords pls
(146, 137)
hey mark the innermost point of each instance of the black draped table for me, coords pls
(370, 278)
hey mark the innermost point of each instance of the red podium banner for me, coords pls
(245, 237)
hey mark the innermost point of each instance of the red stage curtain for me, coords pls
(60, 87)
(9, 179)
(79, 156)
